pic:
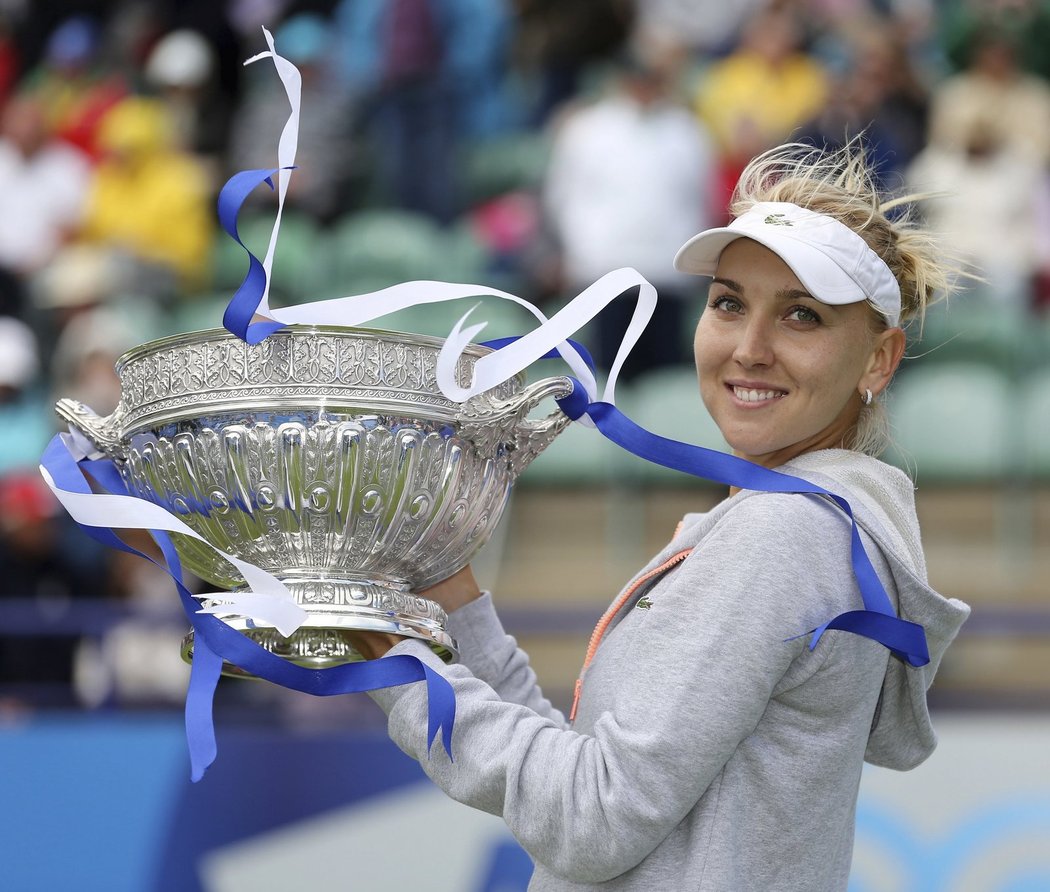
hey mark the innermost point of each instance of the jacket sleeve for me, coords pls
(494, 657)
(676, 694)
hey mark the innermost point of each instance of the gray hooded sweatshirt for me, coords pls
(712, 749)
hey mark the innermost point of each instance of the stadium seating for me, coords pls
(375, 249)
(955, 422)
(973, 328)
(199, 313)
(1034, 398)
(505, 164)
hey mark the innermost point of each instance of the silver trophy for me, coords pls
(328, 457)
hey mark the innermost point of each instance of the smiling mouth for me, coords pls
(755, 394)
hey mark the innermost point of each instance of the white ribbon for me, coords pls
(286, 148)
(269, 601)
(497, 367)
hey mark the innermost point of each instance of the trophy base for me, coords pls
(336, 608)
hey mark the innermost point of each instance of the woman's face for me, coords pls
(780, 372)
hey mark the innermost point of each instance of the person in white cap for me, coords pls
(714, 745)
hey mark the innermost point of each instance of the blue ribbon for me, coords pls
(878, 619)
(585, 354)
(239, 312)
(214, 641)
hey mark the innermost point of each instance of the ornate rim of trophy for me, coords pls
(327, 456)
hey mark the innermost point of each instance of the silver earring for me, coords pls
(867, 397)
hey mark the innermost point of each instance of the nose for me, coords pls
(755, 345)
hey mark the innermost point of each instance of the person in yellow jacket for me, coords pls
(756, 96)
(149, 199)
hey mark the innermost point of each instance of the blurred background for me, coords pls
(530, 145)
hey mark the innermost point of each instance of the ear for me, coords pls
(886, 355)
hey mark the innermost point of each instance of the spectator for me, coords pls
(94, 327)
(900, 97)
(44, 184)
(149, 200)
(422, 65)
(80, 277)
(180, 69)
(994, 94)
(989, 144)
(9, 58)
(557, 42)
(759, 94)
(990, 201)
(33, 563)
(630, 177)
(1026, 24)
(137, 661)
(75, 90)
(25, 418)
(707, 26)
(876, 94)
(36, 568)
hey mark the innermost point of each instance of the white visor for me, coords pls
(830, 259)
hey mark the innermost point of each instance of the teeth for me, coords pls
(755, 396)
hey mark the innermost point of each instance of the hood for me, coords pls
(882, 499)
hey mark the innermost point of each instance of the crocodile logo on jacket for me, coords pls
(644, 603)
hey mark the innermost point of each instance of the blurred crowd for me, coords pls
(531, 144)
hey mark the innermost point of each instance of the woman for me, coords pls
(712, 749)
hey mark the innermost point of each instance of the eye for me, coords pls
(726, 304)
(804, 315)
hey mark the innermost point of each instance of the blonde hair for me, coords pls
(840, 185)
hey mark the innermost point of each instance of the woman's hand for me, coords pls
(460, 588)
(372, 645)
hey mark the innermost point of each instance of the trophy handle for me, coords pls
(521, 404)
(102, 432)
(530, 436)
(503, 425)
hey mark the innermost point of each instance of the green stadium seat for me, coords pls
(580, 456)
(496, 166)
(505, 319)
(975, 329)
(955, 422)
(465, 258)
(1035, 400)
(199, 313)
(370, 250)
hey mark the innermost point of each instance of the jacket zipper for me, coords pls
(607, 618)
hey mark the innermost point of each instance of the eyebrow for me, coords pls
(783, 294)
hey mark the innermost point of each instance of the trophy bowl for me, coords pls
(328, 457)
